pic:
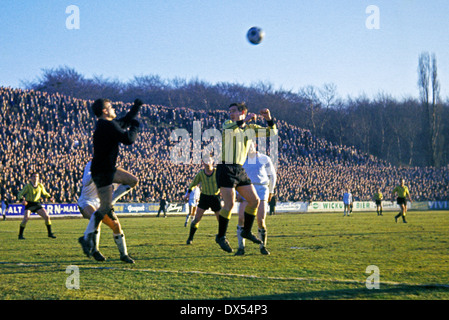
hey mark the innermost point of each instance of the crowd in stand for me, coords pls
(52, 134)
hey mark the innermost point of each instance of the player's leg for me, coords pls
(262, 227)
(404, 212)
(195, 223)
(190, 214)
(127, 182)
(105, 196)
(240, 224)
(228, 195)
(43, 213)
(119, 239)
(87, 213)
(110, 218)
(249, 193)
(106, 209)
(401, 213)
(88, 240)
(26, 217)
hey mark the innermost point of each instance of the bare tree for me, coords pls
(429, 90)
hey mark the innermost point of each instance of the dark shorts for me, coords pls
(401, 201)
(231, 176)
(103, 179)
(33, 206)
(212, 202)
(378, 202)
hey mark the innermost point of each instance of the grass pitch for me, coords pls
(313, 256)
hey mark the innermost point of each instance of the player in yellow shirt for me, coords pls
(403, 193)
(209, 197)
(378, 198)
(231, 176)
(30, 197)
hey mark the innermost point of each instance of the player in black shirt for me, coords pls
(108, 135)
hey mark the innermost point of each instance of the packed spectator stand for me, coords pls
(51, 134)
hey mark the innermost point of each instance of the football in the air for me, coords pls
(255, 35)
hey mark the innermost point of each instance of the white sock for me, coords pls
(263, 237)
(97, 239)
(90, 226)
(121, 244)
(240, 239)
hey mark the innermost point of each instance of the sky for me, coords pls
(307, 42)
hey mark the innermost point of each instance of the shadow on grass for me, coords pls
(388, 292)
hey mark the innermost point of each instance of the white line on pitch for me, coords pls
(391, 283)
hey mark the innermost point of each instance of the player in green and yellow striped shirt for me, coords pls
(403, 194)
(30, 197)
(209, 197)
(231, 175)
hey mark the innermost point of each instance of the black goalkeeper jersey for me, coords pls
(107, 137)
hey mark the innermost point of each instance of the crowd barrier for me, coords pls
(17, 210)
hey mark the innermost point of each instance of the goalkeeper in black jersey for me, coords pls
(109, 133)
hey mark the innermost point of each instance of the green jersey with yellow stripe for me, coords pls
(208, 182)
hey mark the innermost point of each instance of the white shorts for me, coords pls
(193, 203)
(262, 191)
(95, 203)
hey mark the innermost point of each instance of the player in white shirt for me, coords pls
(193, 199)
(347, 202)
(89, 202)
(261, 171)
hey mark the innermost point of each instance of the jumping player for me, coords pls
(108, 135)
(30, 197)
(89, 202)
(231, 176)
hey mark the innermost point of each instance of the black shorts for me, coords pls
(103, 179)
(378, 202)
(401, 201)
(33, 206)
(212, 202)
(231, 176)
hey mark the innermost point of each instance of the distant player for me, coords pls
(5, 207)
(89, 202)
(231, 176)
(403, 194)
(162, 206)
(347, 203)
(192, 196)
(30, 197)
(209, 196)
(378, 198)
(108, 135)
(261, 171)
